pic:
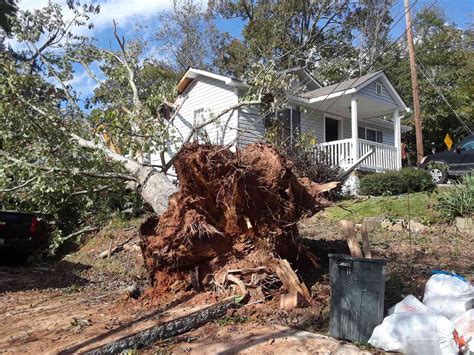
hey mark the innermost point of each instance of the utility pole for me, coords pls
(414, 84)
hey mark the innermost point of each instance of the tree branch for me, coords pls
(12, 189)
(41, 49)
(70, 98)
(86, 192)
(89, 72)
(79, 232)
(68, 171)
(131, 73)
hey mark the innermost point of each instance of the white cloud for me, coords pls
(125, 12)
(83, 84)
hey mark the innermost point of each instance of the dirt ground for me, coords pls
(82, 301)
(254, 338)
(79, 302)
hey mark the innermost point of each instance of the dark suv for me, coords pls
(456, 162)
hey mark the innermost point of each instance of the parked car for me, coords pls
(456, 162)
(21, 233)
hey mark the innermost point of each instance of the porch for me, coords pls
(341, 153)
(359, 122)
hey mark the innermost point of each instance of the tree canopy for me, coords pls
(445, 59)
(78, 158)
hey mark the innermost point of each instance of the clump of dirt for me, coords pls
(232, 210)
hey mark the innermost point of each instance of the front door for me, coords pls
(332, 129)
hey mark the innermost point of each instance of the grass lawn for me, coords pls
(418, 206)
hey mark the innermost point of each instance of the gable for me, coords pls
(211, 96)
(192, 74)
(377, 90)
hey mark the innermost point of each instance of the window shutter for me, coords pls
(284, 121)
(295, 125)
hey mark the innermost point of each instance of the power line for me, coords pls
(262, 116)
(366, 69)
(440, 93)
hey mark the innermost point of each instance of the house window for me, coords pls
(288, 124)
(200, 136)
(370, 134)
(378, 88)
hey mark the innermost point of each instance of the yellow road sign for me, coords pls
(448, 141)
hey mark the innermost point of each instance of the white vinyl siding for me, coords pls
(251, 126)
(370, 91)
(213, 96)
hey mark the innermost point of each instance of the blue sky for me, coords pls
(130, 12)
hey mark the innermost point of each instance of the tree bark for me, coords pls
(155, 188)
(153, 185)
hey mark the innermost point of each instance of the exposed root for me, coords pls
(232, 211)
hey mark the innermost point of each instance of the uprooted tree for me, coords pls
(232, 211)
(60, 148)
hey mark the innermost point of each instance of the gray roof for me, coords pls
(342, 86)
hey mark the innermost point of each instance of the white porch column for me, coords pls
(354, 129)
(398, 138)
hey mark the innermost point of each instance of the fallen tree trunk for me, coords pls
(153, 185)
(165, 330)
(232, 210)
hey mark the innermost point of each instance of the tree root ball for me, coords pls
(230, 208)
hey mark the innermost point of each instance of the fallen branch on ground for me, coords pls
(163, 331)
(79, 232)
(109, 252)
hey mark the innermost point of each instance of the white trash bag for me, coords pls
(448, 295)
(415, 333)
(410, 304)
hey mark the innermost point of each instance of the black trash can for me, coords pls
(357, 296)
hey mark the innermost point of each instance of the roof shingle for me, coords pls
(342, 86)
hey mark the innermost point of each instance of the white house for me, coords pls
(349, 118)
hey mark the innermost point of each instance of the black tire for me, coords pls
(439, 173)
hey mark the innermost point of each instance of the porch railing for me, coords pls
(339, 153)
(384, 157)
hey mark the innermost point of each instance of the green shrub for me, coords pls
(458, 201)
(396, 182)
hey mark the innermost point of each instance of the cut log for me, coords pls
(289, 301)
(290, 280)
(365, 241)
(348, 228)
